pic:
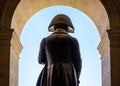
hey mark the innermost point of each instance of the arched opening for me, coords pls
(85, 31)
(26, 9)
(93, 8)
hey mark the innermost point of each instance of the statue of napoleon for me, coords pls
(61, 55)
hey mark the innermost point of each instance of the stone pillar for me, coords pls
(114, 36)
(109, 49)
(104, 50)
(10, 48)
(15, 50)
(5, 37)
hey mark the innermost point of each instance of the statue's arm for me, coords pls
(77, 58)
(42, 54)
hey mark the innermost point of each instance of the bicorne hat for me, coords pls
(61, 19)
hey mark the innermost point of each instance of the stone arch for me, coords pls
(7, 8)
(30, 8)
(97, 18)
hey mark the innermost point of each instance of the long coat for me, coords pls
(61, 56)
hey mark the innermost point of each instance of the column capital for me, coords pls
(16, 45)
(103, 46)
(5, 36)
(114, 36)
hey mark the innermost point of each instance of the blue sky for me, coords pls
(36, 29)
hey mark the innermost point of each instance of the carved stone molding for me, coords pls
(114, 36)
(104, 45)
(5, 37)
(16, 45)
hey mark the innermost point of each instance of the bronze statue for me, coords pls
(61, 55)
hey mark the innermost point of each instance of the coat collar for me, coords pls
(60, 31)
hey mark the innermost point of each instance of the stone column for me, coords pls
(104, 50)
(109, 49)
(15, 50)
(10, 48)
(5, 37)
(114, 36)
